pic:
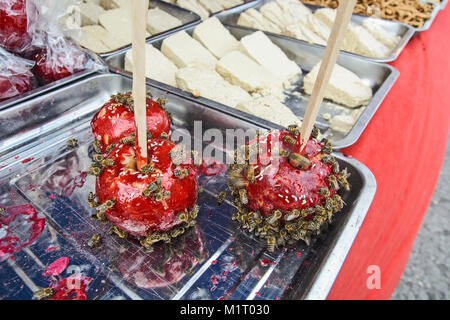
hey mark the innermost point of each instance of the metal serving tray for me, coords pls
(380, 77)
(188, 19)
(404, 31)
(429, 22)
(225, 263)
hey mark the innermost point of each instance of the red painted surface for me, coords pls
(404, 146)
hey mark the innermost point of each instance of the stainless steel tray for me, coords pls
(429, 22)
(40, 170)
(404, 31)
(188, 19)
(381, 77)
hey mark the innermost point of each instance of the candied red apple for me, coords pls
(152, 202)
(13, 25)
(284, 194)
(59, 60)
(115, 121)
(15, 84)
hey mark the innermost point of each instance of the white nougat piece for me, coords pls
(295, 7)
(157, 66)
(113, 4)
(182, 49)
(118, 22)
(252, 18)
(159, 21)
(239, 69)
(91, 42)
(194, 6)
(316, 26)
(378, 32)
(202, 81)
(273, 12)
(103, 36)
(366, 44)
(215, 37)
(344, 87)
(90, 13)
(230, 3)
(212, 6)
(259, 47)
(271, 109)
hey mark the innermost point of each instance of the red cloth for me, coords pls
(404, 146)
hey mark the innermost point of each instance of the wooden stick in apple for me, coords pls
(344, 13)
(139, 16)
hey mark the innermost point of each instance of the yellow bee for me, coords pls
(271, 242)
(94, 241)
(44, 293)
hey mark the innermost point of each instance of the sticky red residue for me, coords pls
(71, 288)
(27, 160)
(49, 249)
(56, 267)
(76, 182)
(299, 254)
(264, 262)
(16, 157)
(214, 262)
(20, 228)
(51, 196)
(258, 294)
(211, 167)
(214, 280)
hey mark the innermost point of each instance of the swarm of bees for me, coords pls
(279, 227)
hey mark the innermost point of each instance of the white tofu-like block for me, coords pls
(259, 47)
(252, 18)
(194, 6)
(271, 109)
(118, 22)
(215, 37)
(157, 66)
(378, 32)
(295, 7)
(273, 12)
(345, 87)
(105, 37)
(90, 13)
(313, 24)
(230, 3)
(159, 21)
(301, 32)
(366, 44)
(202, 81)
(342, 123)
(97, 2)
(113, 4)
(212, 6)
(91, 42)
(182, 49)
(239, 69)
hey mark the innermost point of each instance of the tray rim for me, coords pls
(392, 57)
(328, 271)
(352, 136)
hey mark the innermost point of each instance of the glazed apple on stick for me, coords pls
(146, 185)
(286, 185)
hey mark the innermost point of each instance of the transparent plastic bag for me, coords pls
(15, 75)
(14, 35)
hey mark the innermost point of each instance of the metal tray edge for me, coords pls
(329, 271)
(392, 57)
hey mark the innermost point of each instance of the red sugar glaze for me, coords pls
(56, 267)
(134, 213)
(13, 25)
(114, 122)
(281, 186)
(12, 243)
(71, 288)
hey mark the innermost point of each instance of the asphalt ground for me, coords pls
(427, 275)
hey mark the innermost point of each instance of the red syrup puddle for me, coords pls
(73, 287)
(56, 268)
(19, 227)
(27, 160)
